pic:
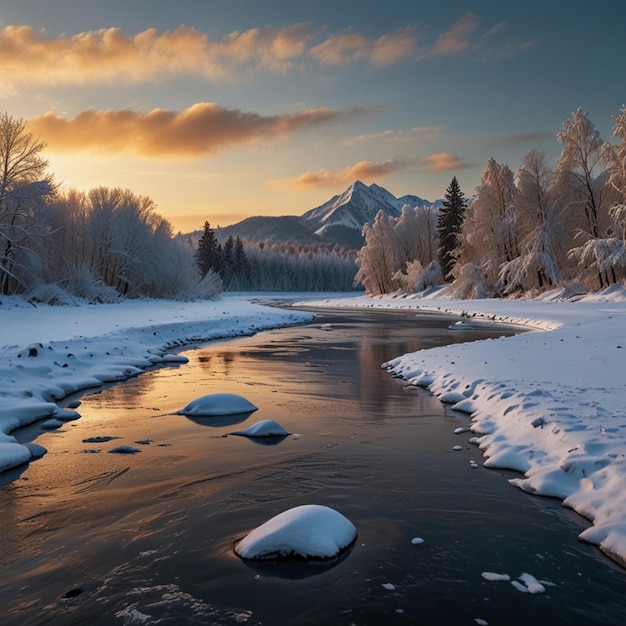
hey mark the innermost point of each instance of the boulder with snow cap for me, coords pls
(218, 404)
(310, 532)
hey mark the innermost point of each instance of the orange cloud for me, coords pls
(444, 161)
(202, 129)
(455, 40)
(349, 47)
(27, 56)
(364, 170)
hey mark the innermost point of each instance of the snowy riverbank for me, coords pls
(548, 404)
(48, 353)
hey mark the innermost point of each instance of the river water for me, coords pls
(93, 537)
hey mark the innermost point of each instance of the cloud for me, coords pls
(444, 161)
(394, 47)
(364, 170)
(455, 40)
(463, 38)
(395, 136)
(205, 128)
(388, 49)
(109, 55)
(495, 30)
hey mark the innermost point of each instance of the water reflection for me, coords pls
(268, 440)
(297, 569)
(219, 421)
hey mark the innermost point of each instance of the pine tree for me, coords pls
(449, 225)
(227, 265)
(208, 254)
(241, 265)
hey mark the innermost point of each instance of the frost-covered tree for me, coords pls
(380, 257)
(449, 226)
(415, 277)
(586, 193)
(607, 255)
(295, 267)
(539, 226)
(489, 236)
(397, 250)
(25, 185)
(579, 170)
(470, 282)
(109, 243)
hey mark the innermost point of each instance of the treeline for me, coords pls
(98, 246)
(521, 234)
(109, 243)
(265, 266)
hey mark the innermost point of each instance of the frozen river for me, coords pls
(92, 537)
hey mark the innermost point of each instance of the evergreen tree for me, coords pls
(227, 262)
(208, 253)
(449, 225)
(241, 265)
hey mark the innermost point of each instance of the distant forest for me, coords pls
(518, 235)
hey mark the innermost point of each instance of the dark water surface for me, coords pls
(90, 537)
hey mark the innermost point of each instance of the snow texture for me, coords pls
(310, 531)
(215, 404)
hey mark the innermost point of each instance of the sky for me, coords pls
(223, 109)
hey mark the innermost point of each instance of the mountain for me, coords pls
(339, 220)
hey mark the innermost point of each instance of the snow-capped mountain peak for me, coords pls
(356, 206)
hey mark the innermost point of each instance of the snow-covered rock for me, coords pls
(215, 404)
(310, 531)
(264, 428)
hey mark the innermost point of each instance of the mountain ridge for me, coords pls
(339, 220)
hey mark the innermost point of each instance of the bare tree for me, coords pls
(24, 186)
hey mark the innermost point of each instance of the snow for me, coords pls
(264, 428)
(310, 531)
(491, 576)
(48, 353)
(215, 404)
(548, 403)
(529, 584)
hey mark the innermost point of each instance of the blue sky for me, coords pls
(220, 109)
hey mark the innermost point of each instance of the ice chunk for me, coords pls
(494, 576)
